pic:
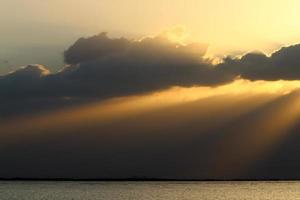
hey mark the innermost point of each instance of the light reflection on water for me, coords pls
(149, 190)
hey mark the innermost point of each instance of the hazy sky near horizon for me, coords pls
(229, 25)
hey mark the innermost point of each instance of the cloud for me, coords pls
(102, 67)
(283, 64)
(24, 82)
(86, 49)
(29, 72)
(121, 67)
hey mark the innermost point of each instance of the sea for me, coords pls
(149, 190)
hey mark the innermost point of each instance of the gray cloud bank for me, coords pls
(102, 67)
(283, 64)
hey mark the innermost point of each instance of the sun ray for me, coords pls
(255, 138)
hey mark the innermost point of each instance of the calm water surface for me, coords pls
(148, 190)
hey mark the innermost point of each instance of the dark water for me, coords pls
(149, 190)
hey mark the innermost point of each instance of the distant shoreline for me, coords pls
(141, 180)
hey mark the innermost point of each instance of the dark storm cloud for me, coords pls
(103, 67)
(23, 82)
(100, 67)
(95, 47)
(119, 66)
(283, 64)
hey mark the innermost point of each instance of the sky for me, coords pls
(47, 28)
(150, 89)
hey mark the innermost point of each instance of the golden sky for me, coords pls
(227, 25)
